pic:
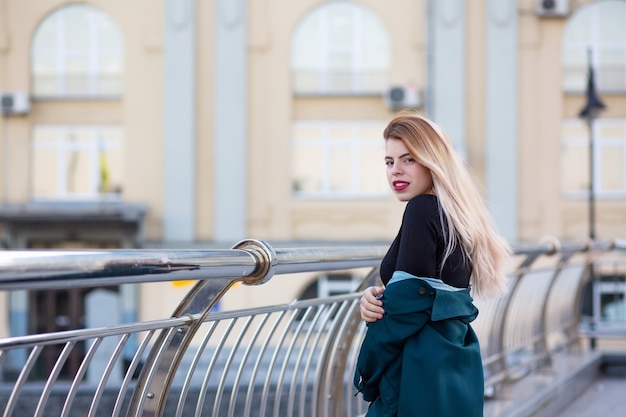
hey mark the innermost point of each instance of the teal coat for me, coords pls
(422, 358)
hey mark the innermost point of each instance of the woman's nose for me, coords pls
(395, 168)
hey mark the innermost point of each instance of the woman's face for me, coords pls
(406, 176)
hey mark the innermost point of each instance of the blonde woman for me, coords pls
(420, 356)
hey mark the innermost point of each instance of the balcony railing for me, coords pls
(608, 79)
(338, 83)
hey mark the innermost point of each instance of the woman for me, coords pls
(420, 356)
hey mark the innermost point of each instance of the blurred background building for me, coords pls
(198, 123)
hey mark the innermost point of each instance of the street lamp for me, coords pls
(589, 113)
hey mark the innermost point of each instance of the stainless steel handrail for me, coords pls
(297, 357)
(39, 269)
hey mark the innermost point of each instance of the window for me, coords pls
(327, 285)
(76, 161)
(77, 52)
(340, 48)
(599, 26)
(338, 159)
(609, 158)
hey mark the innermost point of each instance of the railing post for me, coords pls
(155, 379)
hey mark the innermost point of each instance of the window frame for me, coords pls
(362, 81)
(598, 143)
(62, 148)
(326, 144)
(93, 54)
(597, 46)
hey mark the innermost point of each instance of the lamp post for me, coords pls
(589, 113)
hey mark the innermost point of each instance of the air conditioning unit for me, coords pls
(14, 102)
(402, 97)
(552, 8)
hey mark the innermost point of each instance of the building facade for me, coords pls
(233, 119)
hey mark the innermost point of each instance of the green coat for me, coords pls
(422, 358)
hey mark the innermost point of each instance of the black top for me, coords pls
(419, 247)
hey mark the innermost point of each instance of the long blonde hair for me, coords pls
(462, 208)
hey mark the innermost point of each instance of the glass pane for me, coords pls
(109, 35)
(611, 74)
(373, 132)
(575, 130)
(341, 179)
(76, 84)
(575, 168)
(78, 21)
(372, 171)
(612, 168)
(79, 179)
(45, 64)
(340, 61)
(111, 170)
(45, 37)
(111, 160)
(77, 64)
(307, 169)
(45, 172)
(340, 21)
(610, 130)
(341, 133)
(307, 51)
(577, 30)
(110, 65)
(307, 132)
(612, 15)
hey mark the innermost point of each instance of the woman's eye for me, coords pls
(388, 163)
(409, 160)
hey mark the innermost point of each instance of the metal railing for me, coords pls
(293, 359)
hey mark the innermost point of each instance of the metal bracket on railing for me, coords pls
(265, 257)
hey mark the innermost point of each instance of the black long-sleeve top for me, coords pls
(419, 246)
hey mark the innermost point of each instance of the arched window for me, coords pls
(340, 48)
(77, 52)
(599, 26)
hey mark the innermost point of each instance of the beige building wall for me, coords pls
(273, 214)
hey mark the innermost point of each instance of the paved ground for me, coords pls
(606, 397)
(574, 386)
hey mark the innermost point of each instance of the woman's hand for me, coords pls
(372, 307)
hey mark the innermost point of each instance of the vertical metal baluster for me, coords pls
(194, 364)
(129, 373)
(294, 376)
(78, 378)
(21, 380)
(244, 359)
(279, 344)
(119, 349)
(56, 370)
(257, 365)
(207, 375)
(229, 361)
